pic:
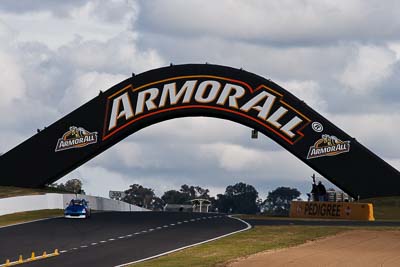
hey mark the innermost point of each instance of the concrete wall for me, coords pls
(58, 201)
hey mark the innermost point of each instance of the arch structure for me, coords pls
(199, 90)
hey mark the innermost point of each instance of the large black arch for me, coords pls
(199, 90)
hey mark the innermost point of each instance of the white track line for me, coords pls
(137, 233)
(189, 246)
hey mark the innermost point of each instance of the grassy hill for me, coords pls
(385, 208)
(10, 191)
(21, 217)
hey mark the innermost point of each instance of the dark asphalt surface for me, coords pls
(112, 238)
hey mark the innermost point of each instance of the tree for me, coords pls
(185, 194)
(224, 203)
(238, 198)
(278, 201)
(73, 186)
(157, 204)
(175, 197)
(195, 192)
(140, 196)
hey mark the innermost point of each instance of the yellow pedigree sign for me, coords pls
(332, 210)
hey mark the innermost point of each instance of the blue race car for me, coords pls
(77, 208)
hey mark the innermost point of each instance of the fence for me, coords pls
(59, 201)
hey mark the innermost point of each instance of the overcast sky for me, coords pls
(341, 57)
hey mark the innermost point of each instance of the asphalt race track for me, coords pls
(115, 238)
(111, 238)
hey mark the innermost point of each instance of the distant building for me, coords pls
(201, 205)
(337, 196)
(198, 205)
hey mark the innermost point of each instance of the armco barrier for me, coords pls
(59, 201)
(332, 210)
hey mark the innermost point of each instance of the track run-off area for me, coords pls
(113, 238)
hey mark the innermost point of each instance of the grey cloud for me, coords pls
(21, 123)
(26, 6)
(40, 78)
(277, 63)
(321, 65)
(168, 154)
(199, 131)
(376, 131)
(95, 55)
(109, 11)
(180, 155)
(116, 11)
(389, 91)
(180, 165)
(47, 74)
(276, 23)
(209, 177)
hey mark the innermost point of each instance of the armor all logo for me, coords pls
(76, 137)
(328, 145)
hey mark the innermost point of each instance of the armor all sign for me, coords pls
(199, 90)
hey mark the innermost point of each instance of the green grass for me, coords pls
(385, 208)
(264, 217)
(29, 216)
(11, 191)
(260, 238)
(219, 253)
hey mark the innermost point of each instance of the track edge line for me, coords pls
(248, 227)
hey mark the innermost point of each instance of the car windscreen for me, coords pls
(76, 202)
